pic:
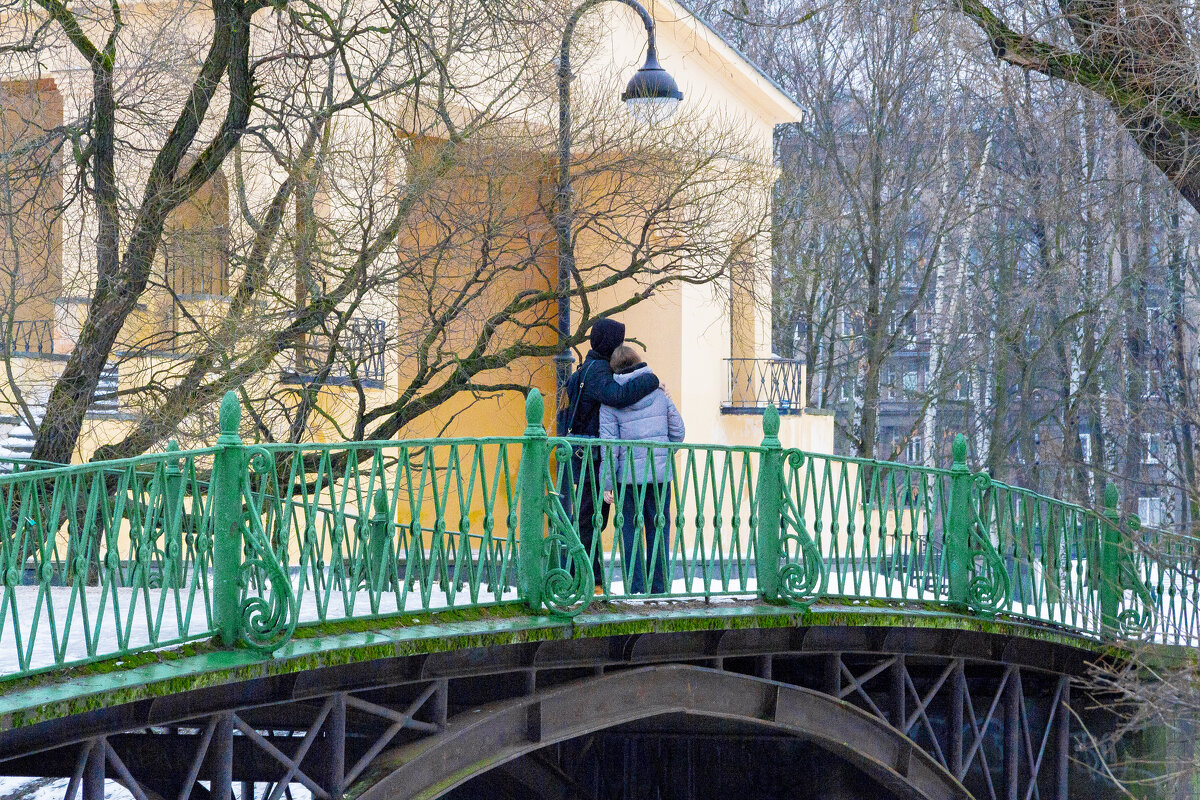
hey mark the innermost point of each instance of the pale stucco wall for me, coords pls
(688, 330)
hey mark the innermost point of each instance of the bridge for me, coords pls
(418, 619)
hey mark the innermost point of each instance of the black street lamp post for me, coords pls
(651, 95)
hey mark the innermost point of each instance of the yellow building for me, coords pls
(708, 341)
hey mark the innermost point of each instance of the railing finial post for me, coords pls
(229, 466)
(377, 542)
(173, 503)
(1110, 583)
(769, 511)
(958, 526)
(531, 484)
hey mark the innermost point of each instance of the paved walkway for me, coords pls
(60, 617)
(63, 619)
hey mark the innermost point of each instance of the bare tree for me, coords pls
(870, 204)
(1065, 287)
(1140, 57)
(325, 197)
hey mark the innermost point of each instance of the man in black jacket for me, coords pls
(590, 387)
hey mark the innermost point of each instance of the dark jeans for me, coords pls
(589, 532)
(653, 551)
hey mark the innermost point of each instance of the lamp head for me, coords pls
(652, 94)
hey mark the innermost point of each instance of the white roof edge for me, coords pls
(774, 97)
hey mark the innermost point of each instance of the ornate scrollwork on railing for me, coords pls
(990, 587)
(566, 590)
(1135, 621)
(268, 618)
(801, 582)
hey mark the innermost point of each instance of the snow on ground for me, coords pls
(62, 619)
(55, 789)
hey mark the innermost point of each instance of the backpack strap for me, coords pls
(574, 403)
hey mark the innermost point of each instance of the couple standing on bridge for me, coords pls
(613, 394)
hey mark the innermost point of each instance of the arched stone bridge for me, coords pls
(417, 620)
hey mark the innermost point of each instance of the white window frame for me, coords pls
(845, 324)
(1150, 511)
(1149, 443)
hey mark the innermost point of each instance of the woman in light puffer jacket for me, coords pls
(640, 476)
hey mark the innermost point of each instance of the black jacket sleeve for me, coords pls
(620, 395)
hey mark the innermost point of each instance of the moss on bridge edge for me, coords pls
(149, 674)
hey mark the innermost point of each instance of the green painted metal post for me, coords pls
(377, 541)
(958, 526)
(229, 467)
(174, 521)
(1110, 564)
(769, 502)
(531, 483)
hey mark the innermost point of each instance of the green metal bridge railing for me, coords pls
(242, 543)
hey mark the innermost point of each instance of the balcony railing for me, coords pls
(35, 337)
(755, 383)
(197, 262)
(363, 345)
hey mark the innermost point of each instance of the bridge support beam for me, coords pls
(335, 745)
(221, 749)
(93, 771)
(958, 691)
(1062, 782)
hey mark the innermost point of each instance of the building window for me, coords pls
(911, 381)
(914, 450)
(1085, 447)
(1150, 511)
(196, 242)
(889, 384)
(1154, 383)
(962, 388)
(31, 199)
(1151, 444)
(195, 257)
(848, 389)
(847, 325)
